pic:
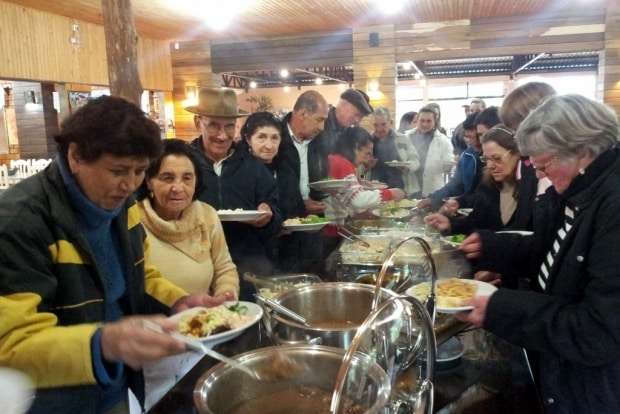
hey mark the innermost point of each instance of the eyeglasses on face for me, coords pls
(545, 166)
(215, 127)
(494, 159)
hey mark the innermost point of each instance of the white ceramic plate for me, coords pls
(465, 211)
(245, 215)
(16, 391)
(254, 314)
(331, 185)
(401, 213)
(305, 227)
(397, 163)
(374, 185)
(483, 289)
(519, 232)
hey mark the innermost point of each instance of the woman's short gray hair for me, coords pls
(568, 125)
(384, 112)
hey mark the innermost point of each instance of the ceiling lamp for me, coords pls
(390, 7)
(318, 81)
(284, 73)
(217, 17)
(253, 85)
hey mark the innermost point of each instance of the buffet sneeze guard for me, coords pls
(397, 335)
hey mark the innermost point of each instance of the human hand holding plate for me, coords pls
(477, 315)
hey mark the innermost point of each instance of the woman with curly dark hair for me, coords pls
(75, 267)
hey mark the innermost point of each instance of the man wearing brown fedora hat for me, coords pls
(234, 179)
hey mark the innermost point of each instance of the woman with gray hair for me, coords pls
(570, 318)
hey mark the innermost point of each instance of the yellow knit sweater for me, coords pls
(191, 252)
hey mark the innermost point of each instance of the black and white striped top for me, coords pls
(547, 264)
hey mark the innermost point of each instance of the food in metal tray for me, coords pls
(214, 320)
(300, 399)
(280, 287)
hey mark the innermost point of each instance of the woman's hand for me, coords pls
(264, 219)
(438, 221)
(450, 207)
(127, 340)
(314, 207)
(489, 277)
(198, 299)
(472, 246)
(397, 194)
(424, 203)
(478, 314)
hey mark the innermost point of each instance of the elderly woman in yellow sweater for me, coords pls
(186, 237)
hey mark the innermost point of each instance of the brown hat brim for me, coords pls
(200, 111)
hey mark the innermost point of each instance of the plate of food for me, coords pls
(395, 212)
(454, 240)
(239, 214)
(310, 223)
(374, 185)
(329, 184)
(452, 294)
(464, 211)
(395, 163)
(219, 323)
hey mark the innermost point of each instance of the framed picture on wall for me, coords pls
(78, 99)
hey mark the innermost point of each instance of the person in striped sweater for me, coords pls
(569, 320)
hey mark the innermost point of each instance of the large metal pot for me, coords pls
(223, 388)
(321, 303)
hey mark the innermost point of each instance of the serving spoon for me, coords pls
(199, 347)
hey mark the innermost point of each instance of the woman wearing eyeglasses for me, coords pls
(504, 199)
(570, 319)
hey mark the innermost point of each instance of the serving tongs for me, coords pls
(352, 237)
(282, 310)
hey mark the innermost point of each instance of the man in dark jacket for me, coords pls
(385, 149)
(235, 180)
(75, 270)
(301, 252)
(458, 138)
(352, 107)
(301, 128)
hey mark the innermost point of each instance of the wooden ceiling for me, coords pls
(167, 19)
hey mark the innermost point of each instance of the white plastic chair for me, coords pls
(39, 165)
(4, 177)
(24, 168)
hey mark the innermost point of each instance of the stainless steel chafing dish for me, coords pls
(334, 311)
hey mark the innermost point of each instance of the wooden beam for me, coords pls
(122, 49)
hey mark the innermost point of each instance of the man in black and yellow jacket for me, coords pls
(74, 270)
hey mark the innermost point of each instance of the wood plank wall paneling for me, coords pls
(291, 52)
(611, 73)
(553, 31)
(191, 66)
(35, 46)
(50, 118)
(30, 121)
(375, 65)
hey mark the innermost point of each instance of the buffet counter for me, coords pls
(492, 376)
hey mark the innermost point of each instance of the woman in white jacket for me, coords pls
(434, 150)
